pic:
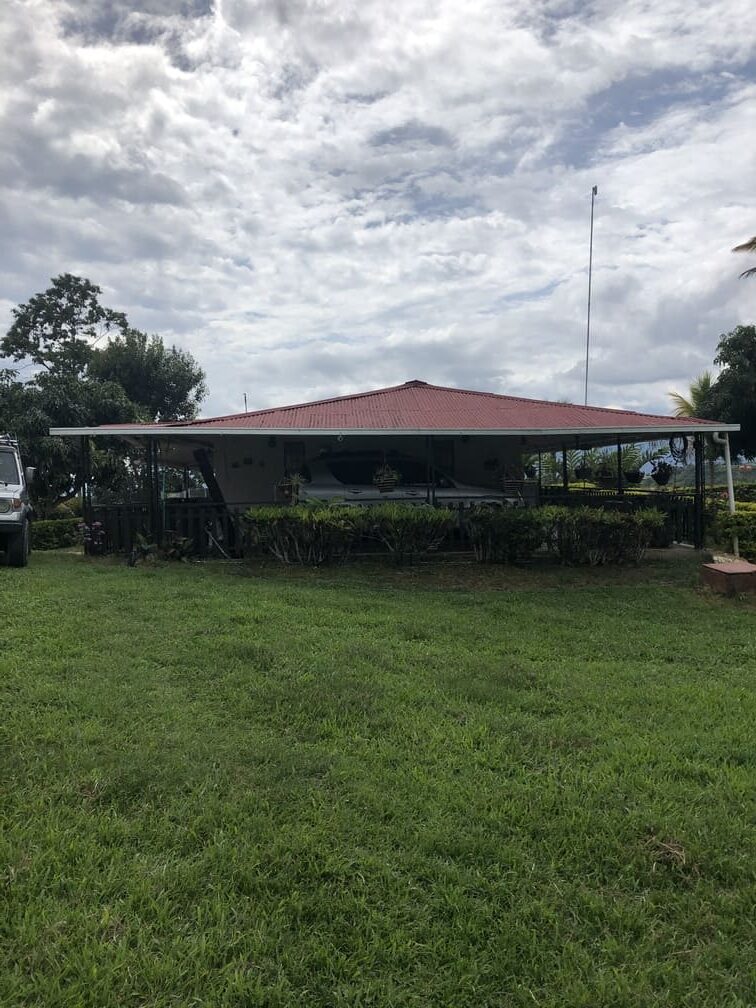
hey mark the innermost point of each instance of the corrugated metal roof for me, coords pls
(417, 405)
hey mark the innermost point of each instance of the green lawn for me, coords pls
(347, 788)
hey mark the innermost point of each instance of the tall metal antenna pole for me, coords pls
(245, 402)
(594, 194)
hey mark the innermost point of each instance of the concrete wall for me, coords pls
(248, 467)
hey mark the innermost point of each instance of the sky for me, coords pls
(318, 197)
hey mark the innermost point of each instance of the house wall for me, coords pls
(248, 467)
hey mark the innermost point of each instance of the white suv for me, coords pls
(15, 508)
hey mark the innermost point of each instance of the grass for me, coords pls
(224, 787)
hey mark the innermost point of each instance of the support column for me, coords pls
(698, 506)
(565, 473)
(86, 489)
(430, 471)
(620, 482)
(153, 491)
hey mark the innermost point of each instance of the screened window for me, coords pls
(8, 468)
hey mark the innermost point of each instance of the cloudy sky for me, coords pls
(324, 196)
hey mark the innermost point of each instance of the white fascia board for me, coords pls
(200, 432)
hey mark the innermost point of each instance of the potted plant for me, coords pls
(386, 478)
(583, 471)
(633, 476)
(289, 488)
(661, 473)
(605, 475)
(530, 472)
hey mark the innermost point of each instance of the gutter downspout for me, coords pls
(724, 439)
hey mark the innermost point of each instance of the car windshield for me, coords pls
(8, 468)
(360, 469)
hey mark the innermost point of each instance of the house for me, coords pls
(470, 435)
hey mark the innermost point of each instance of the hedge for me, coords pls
(573, 536)
(741, 524)
(506, 535)
(56, 533)
(322, 533)
(303, 534)
(407, 530)
(595, 536)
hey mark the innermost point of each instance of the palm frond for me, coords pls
(747, 246)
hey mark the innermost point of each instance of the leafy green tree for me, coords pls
(77, 383)
(747, 246)
(734, 393)
(165, 382)
(58, 329)
(698, 403)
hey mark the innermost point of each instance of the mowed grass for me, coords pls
(352, 788)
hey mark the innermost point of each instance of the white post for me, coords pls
(725, 440)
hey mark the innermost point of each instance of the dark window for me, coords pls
(294, 459)
(8, 468)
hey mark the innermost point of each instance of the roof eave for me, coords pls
(200, 431)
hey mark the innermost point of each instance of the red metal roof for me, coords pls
(417, 405)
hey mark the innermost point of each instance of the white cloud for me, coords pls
(317, 196)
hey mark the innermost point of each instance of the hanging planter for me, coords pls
(583, 471)
(661, 473)
(633, 476)
(606, 477)
(385, 478)
(530, 471)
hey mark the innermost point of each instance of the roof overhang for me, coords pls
(539, 432)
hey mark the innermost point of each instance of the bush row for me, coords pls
(320, 534)
(304, 534)
(57, 533)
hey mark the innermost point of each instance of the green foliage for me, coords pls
(734, 394)
(303, 534)
(58, 328)
(80, 384)
(408, 530)
(505, 535)
(741, 524)
(58, 533)
(166, 383)
(596, 536)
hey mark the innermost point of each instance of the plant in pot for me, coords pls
(662, 472)
(386, 478)
(605, 475)
(583, 471)
(632, 460)
(289, 488)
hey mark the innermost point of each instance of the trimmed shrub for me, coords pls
(595, 536)
(741, 524)
(302, 534)
(57, 533)
(408, 530)
(505, 535)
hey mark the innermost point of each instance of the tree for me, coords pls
(733, 397)
(698, 400)
(747, 246)
(166, 382)
(698, 404)
(79, 384)
(58, 329)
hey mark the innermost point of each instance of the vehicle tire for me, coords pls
(17, 548)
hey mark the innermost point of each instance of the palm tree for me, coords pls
(696, 404)
(747, 246)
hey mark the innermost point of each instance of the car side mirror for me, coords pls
(29, 473)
